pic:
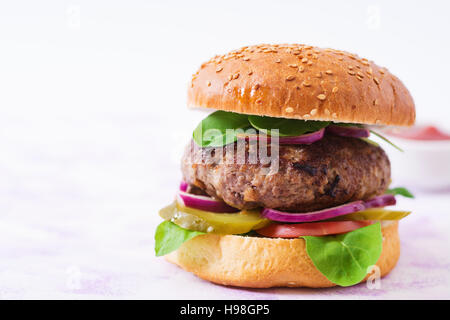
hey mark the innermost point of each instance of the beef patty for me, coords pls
(327, 173)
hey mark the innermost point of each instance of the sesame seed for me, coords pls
(301, 69)
(350, 67)
(329, 72)
(310, 63)
(376, 80)
(306, 116)
(236, 76)
(250, 73)
(352, 73)
(335, 89)
(230, 77)
(246, 58)
(208, 83)
(313, 112)
(334, 115)
(256, 86)
(304, 60)
(321, 97)
(278, 61)
(290, 78)
(306, 83)
(259, 101)
(293, 65)
(289, 109)
(219, 69)
(381, 71)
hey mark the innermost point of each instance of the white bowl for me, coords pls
(424, 164)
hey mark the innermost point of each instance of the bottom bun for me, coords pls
(255, 262)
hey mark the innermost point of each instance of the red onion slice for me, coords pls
(380, 201)
(352, 132)
(205, 203)
(183, 186)
(303, 139)
(347, 208)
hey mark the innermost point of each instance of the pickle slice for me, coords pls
(204, 221)
(374, 214)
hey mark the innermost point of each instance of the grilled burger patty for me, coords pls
(327, 173)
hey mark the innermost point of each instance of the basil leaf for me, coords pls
(212, 131)
(169, 237)
(343, 259)
(387, 140)
(400, 191)
(286, 127)
(345, 124)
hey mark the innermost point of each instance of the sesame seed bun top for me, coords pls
(302, 82)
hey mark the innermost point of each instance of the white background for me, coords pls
(93, 121)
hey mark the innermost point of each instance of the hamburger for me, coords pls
(283, 185)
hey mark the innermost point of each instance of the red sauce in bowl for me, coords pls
(430, 133)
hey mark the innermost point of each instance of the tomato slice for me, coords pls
(278, 230)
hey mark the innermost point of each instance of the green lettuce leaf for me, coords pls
(286, 127)
(343, 259)
(400, 191)
(169, 237)
(212, 131)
